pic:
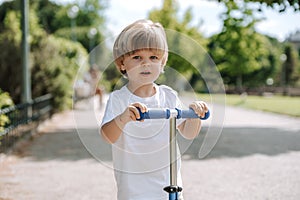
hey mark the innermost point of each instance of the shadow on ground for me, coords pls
(234, 142)
(247, 141)
(66, 145)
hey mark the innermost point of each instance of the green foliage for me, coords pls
(55, 68)
(46, 11)
(5, 101)
(290, 73)
(89, 16)
(167, 16)
(177, 29)
(53, 17)
(238, 50)
(280, 5)
(53, 61)
(54, 65)
(269, 104)
(82, 36)
(269, 64)
(10, 56)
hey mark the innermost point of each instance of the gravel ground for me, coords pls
(256, 157)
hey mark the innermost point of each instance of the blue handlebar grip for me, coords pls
(154, 114)
(160, 113)
(191, 114)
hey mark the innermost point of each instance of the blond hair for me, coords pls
(142, 34)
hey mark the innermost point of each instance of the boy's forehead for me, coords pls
(146, 50)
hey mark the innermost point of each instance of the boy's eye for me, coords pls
(153, 57)
(136, 57)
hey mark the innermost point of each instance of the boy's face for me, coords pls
(143, 66)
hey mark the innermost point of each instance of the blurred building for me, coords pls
(294, 38)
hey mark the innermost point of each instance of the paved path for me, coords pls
(256, 157)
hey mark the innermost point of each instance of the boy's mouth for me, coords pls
(145, 73)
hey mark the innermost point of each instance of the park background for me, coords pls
(238, 36)
(256, 156)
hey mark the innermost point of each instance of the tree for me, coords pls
(167, 16)
(53, 17)
(46, 12)
(89, 23)
(53, 61)
(270, 64)
(177, 29)
(238, 50)
(5, 101)
(280, 5)
(54, 68)
(289, 66)
(10, 56)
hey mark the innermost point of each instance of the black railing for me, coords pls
(23, 114)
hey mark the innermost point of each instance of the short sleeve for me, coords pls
(113, 109)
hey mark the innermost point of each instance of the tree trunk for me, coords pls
(239, 84)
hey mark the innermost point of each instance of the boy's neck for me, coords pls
(142, 91)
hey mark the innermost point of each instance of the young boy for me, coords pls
(140, 148)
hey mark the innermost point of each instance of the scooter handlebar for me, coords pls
(165, 113)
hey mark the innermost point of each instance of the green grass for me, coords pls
(276, 104)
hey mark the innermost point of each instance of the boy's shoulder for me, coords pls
(119, 92)
(167, 89)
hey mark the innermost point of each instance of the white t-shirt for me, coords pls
(141, 154)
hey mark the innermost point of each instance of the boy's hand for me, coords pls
(200, 108)
(131, 113)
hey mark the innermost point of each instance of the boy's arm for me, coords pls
(190, 128)
(112, 130)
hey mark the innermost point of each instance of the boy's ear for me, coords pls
(162, 69)
(164, 60)
(119, 63)
(122, 66)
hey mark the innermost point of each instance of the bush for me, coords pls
(81, 35)
(5, 101)
(10, 56)
(55, 67)
(53, 62)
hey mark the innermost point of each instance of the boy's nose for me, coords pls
(145, 62)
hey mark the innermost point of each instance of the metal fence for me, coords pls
(21, 116)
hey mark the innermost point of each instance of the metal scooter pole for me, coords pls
(173, 152)
(173, 189)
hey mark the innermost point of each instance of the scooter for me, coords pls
(172, 114)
